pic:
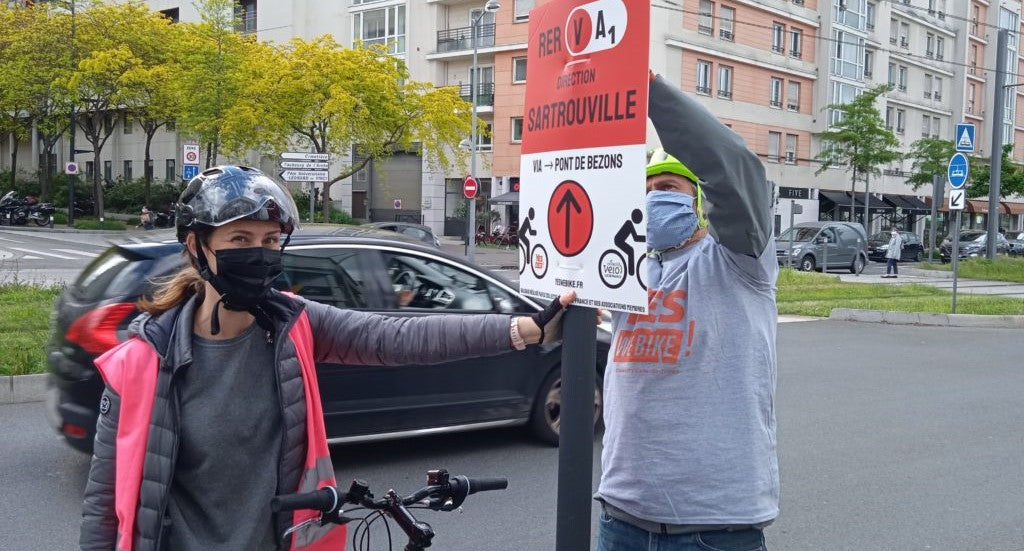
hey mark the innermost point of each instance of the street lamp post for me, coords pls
(491, 6)
(72, 178)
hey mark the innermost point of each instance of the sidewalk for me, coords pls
(491, 258)
(944, 281)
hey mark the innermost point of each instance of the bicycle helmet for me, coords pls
(223, 194)
(663, 163)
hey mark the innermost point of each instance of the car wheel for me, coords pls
(807, 263)
(546, 417)
(918, 256)
(858, 265)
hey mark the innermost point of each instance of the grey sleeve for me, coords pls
(362, 338)
(733, 177)
(99, 520)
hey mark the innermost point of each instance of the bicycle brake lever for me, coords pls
(299, 526)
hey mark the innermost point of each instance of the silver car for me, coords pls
(807, 246)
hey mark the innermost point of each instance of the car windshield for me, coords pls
(799, 234)
(881, 236)
(972, 236)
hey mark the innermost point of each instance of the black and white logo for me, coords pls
(104, 404)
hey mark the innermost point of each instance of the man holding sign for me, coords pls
(689, 456)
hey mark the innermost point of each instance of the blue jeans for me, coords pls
(616, 535)
(892, 266)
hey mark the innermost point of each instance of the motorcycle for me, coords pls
(164, 219)
(17, 212)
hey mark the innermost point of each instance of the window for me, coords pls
(483, 139)
(795, 42)
(937, 94)
(108, 171)
(127, 174)
(331, 276)
(927, 86)
(936, 127)
(439, 284)
(901, 120)
(973, 61)
(869, 63)
(518, 70)
(703, 77)
(127, 125)
(522, 10)
(90, 167)
(841, 93)
(850, 13)
(362, 176)
(870, 16)
(774, 140)
(517, 129)
(926, 126)
(704, 22)
(892, 74)
(725, 81)
(791, 143)
(793, 96)
(778, 38)
(381, 26)
(726, 17)
(776, 92)
(848, 55)
(904, 35)
(894, 29)
(929, 45)
(902, 78)
(890, 113)
(245, 14)
(169, 170)
(108, 123)
(940, 48)
(975, 16)
(969, 108)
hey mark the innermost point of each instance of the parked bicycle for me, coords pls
(442, 493)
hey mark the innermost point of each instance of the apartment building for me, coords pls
(767, 68)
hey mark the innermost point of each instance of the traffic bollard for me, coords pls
(51, 221)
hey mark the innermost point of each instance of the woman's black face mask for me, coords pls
(245, 276)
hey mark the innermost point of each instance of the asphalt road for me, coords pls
(891, 438)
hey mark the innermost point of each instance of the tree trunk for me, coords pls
(853, 197)
(97, 182)
(325, 207)
(14, 157)
(146, 166)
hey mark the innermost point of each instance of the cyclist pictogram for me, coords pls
(538, 255)
(616, 265)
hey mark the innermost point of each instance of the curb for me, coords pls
(927, 318)
(20, 389)
(930, 273)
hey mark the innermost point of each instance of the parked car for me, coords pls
(973, 243)
(418, 232)
(1015, 243)
(356, 268)
(878, 247)
(846, 242)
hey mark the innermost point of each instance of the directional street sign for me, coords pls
(958, 170)
(302, 156)
(957, 199)
(965, 137)
(305, 175)
(469, 187)
(189, 171)
(306, 165)
(570, 218)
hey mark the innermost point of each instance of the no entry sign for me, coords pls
(584, 151)
(469, 187)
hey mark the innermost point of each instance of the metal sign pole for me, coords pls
(576, 441)
(824, 254)
(791, 232)
(938, 186)
(956, 255)
(312, 201)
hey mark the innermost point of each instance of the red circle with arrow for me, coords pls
(570, 218)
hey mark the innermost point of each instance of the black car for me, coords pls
(878, 247)
(1015, 243)
(351, 268)
(418, 232)
(973, 243)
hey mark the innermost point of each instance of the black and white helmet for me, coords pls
(223, 194)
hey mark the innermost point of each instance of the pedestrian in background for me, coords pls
(145, 219)
(213, 407)
(689, 460)
(892, 254)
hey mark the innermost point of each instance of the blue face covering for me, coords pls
(671, 219)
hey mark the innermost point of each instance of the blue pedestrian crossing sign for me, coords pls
(957, 171)
(189, 171)
(964, 137)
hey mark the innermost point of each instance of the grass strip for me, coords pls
(1001, 269)
(24, 327)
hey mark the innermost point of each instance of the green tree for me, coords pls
(214, 53)
(931, 158)
(1011, 176)
(860, 142)
(330, 99)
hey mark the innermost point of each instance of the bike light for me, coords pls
(73, 431)
(96, 330)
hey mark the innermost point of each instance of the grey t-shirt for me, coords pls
(229, 444)
(689, 393)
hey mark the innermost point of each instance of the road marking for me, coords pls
(83, 253)
(11, 240)
(30, 257)
(30, 251)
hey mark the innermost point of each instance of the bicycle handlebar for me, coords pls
(323, 500)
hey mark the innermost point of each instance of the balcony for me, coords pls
(778, 48)
(795, 54)
(454, 40)
(892, 40)
(903, 88)
(484, 93)
(793, 107)
(776, 103)
(704, 90)
(969, 109)
(705, 29)
(904, 42)
(727, 94)
(725, 34)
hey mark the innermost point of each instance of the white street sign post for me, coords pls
(957, 173)
(957, 198)
(304, 175)
(305, 165)
(302, 156)
(190, 154)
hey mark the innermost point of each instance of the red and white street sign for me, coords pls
(583, 153)
(469, 187)
(190, 154)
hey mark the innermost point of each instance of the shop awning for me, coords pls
(1014, 207)
(510, 198)
(875, 205)
(840, 198)
(907, 203)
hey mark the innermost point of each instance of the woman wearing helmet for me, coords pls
(212, 408)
